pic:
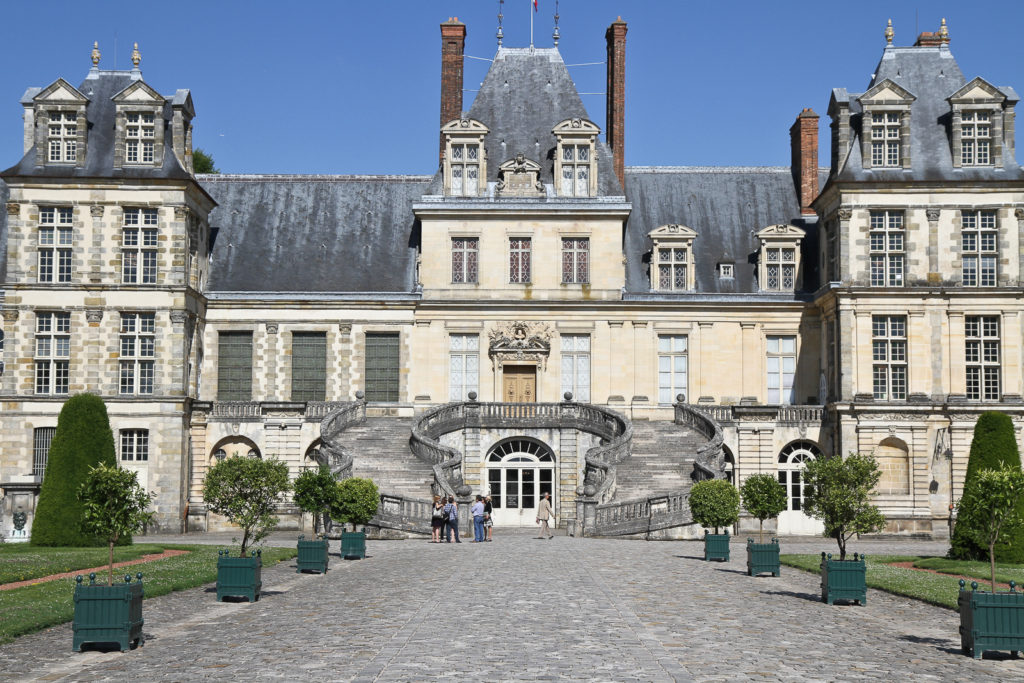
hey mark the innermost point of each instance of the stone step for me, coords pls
(380, 451)
(661, 461)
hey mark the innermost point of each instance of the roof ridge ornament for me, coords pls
(95, 54)
(556, 35)
(889, 33)
(500, 34)
(944, 33)
(136, 57)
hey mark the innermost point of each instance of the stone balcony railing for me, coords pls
(254, 411)
(780, 414)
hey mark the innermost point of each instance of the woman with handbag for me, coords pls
(436, 520)
(488, 518)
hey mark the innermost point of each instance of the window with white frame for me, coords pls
(975, 138)
(885, 139)
(62, 137)
(139, 134)
(138, 246)
(887, 246)
(575, 157)
(725, 271)
(465, 169)
(42, 438)
(519, 257)
(672, 367)
(465, 259)
(983, 367)
(575, 260)
(576, 366)
(673, 268)
(463, 366)
(889, 357)
(979, 239)
(575, 181)
(134, 445)
(52, 352)
(792, 461)
(780, 269)
(138, 353)
(56, 237)
(781, 366)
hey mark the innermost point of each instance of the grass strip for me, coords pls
(1005, 573)
(21, 562)
(33, 608)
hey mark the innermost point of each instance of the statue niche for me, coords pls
(519, 177)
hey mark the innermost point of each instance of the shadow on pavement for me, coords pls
(944, 645)
(812, 597)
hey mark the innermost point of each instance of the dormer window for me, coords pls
(465, 159)
(575, 175)
(466, 169)
(885, 125)
(885, 139)
(975, 138)
(576, 158)
(62, 137)
(55, 124)
(978, 123)
(140, 126)
(779, 262)
(139, 133)
(672, 258)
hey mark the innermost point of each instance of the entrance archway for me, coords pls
(792, 459)
(519, 472)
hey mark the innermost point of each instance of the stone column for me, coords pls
(173, 377)
(751, 362)
(268, 380)
(956, 377)
(643, 372)
(616, 365)
(843, 246)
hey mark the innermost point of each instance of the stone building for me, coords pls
(534, 317)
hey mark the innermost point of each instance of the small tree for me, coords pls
(838, 492)
(315, 492)
(765, 498)
(246, 490)
(114, 505)
(356, 501)
(992, 508)
(714, 503)
(202, 162)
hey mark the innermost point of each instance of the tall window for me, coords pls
(889, 355)
(42, 437)
(780, 269)
(885, 139)
(1, 353)
(792, 461)
(56, 236)
(519, 250)
(981, 334)
(139, 134)
(138, 351)
(465, 251)
(463, 366)
(671, 367)
(888, 249)
(575, 260)
(672, 266)
(979, 240)
(382, 367)
(53, 349)
(576, 366)
(575, 170)
(465, 169)
(832, 253)
(781, 363)
(138, 246)
(234, 366)
(62, 137)
(975, 137)
(309, 366)
(134, 445)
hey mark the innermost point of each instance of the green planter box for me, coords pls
(763, 557)
(991, 621)
(716, 546)
(844, 579)
(353, 545)
(312, 555)
(239, 577)
(107, 614)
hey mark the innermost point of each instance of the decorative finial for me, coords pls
(944, 32)
(136, 57)
(556, 35)
(501, 34)
(889, 33)
(95, 54)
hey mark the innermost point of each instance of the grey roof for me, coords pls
(726, 206)
(932, 75)
(313, 233)
(4, 194)
(99, 87)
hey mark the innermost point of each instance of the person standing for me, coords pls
(452, 510)
(436, 520)
(488, 517)
(478, 519)
(544, 513)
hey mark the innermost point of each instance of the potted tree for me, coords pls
(995, 620)
(356, 504)
(315, 490)
(715, 503)
(764, 497)
(246, 490)
(114, 505)
(838, 492)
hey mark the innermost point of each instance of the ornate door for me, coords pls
(519, 384)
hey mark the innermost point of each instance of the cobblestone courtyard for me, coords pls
(520, 608)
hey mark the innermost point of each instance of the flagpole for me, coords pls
(530, 6)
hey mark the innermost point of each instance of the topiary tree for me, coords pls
(83, 439)
(838, 492)
(114, 505)
(315, 492)
(247, 490)
(994, 446)
(714, 503)
(992, 508)
(356, 502)
(765, 498)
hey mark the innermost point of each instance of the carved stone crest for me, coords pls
(13, 208)
(845, 214)
(178, 317)
(520, 341)
(94, 315)
(10, 315)
(1019, 213)
(520, 177)
(96, 210)
(271, 328)
(933, 214)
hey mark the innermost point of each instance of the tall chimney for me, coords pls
(803, 137)
(615, 117)
(453, 43)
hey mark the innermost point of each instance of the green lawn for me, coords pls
(33, 608)
(20, 561)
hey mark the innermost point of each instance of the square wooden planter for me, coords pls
(353, 545)
(763, 557)
(312, 555)
(108, 614)
(844, 579)
(991, 621)
(239, 577)
(716, 546)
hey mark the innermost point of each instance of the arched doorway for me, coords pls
(519, 472)
(792, 459)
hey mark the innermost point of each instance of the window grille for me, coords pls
(465, 252)
(42, 438)
(234, 368)
(575, 260)
(309, 366)
(519, 253)
(382, 367)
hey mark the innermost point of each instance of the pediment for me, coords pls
(519, 164)
(519, 176)
(60, 91)
(183, 99)
(139, 92)
(978, 90)
(576, 126)
(465, 127)
(672, 231)
(887, 91)
(781, 231)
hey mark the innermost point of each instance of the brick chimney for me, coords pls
(934, 38)
(453, 43)
(803, 137)
(615, 118)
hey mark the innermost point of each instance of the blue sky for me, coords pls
(353, 87)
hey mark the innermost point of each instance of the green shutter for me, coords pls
(234, 371)
(309, 366)
(382, 367)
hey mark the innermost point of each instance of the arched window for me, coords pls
(729, 465)
(792, 460)
(235, 446)
(893, 459)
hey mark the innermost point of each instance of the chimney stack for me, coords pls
(934, 39)
(453, 43)
(803, 137)
(615, 117)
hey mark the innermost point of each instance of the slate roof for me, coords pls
(4, 194)
(315, 234)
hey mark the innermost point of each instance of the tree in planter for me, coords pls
(992, 508)
(315, 492)
(356, 501)
(838, 492)
(714, 503)
(114, 506)
(765, 498)
(246, 490)
(83, 439)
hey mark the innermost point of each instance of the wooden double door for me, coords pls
(519, 383)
